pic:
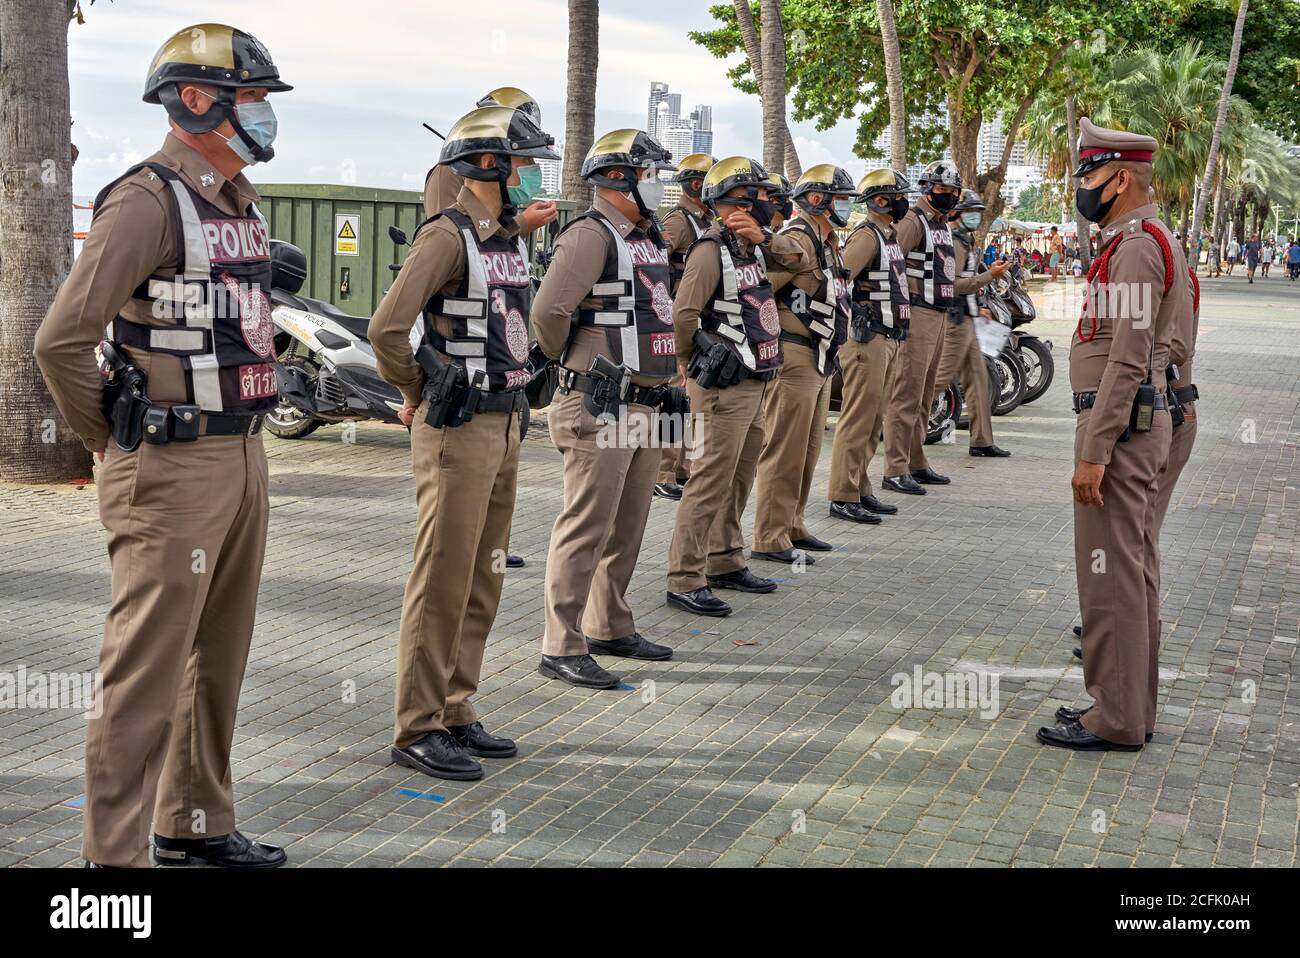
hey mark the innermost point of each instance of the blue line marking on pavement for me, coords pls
(624, 687)
(78, 802)
(427, 796)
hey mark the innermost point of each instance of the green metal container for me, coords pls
(343, 230)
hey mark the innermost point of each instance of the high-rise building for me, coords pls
(664, 121)
(657, 92)
(551, 172)
(679, 141)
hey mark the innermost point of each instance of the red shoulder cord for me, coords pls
(1099, 271)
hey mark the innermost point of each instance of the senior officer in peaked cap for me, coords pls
(1139, 291)
(177, 263)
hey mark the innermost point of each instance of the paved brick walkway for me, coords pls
(785, 751)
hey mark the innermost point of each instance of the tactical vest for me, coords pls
(634, 306)
(935, 265)
(880, 294)
(743, 310)
(488, 314)
(968, 303)
(826, 312)
(678, 260)
(213, 314)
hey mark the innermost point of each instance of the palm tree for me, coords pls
(772, 44)
(36, 223)
(755, 52)
(894, 84)
(1221, 120)
(580, 96)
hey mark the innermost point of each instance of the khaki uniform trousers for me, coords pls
(1180, 450)
(674, 467)
(465, 498)
(597, 536)
(794, 414)
(909, 403)
(728, 433)
(1117, 566)
(961, 361)
(867, 374)
(186, 526)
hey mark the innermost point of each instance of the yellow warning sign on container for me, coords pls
(347, 234)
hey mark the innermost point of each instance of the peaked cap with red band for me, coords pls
(1098, 145)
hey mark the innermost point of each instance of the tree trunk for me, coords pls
(1083, 238)
(1220, 192)
(1221, 120)
(772, 41)
(580, 103)
(36, 226)
(894, 83)
(1183, 219)
(749, 37)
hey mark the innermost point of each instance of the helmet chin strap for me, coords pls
(223, 108)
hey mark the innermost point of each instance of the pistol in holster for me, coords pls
(445, 386)
(611, 384)
(125, 397)
(713, 365)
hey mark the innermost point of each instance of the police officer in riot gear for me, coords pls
(727, 339)
(813, 301)
(681, 228)
(468, 275)
(604, 313)
(926, 240)
(177, 263)
(782, 195)
(877, 328)
(962, 359)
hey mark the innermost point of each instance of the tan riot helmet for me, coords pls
(515, 98)
(835, 188)
(693, 167)
(888, 184)
(220, 56)
(632, 152)
(502, 132)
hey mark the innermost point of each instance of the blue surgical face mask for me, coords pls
(971, 220)
(530, 184)
(257, 120)
(842, 209)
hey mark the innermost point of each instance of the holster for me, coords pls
(860, 326)
(673, 410)
(126, 400)
(446, 388)
(612, 384)
(713, 365)
(543, 376)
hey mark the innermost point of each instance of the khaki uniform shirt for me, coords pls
(678, 230)
(1135, 324)
(133, 237)
(862, 249)
(964, 285)
(442, 187)
(576, 266)
(703, 273)
(435, 263)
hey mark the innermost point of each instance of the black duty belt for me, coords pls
(230, 424)
(571, 379)
(1084, 401)
(512, 401)
(893, 332)
(1186, 394)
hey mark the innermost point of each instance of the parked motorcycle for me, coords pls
(1035, 354)
(325, 365)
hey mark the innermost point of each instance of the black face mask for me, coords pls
(898, 207)
(785, 208)
(943, 202)
(1089, 202)
(762, 211)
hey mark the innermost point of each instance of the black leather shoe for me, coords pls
(580, 670)
(788, 556)
(811, 543)
(742, 580)
(634, 646)
(1078, 653)
(1075, 736)
(438, 755)
(226, 851)
(854, 513)
(904, 484)
(700, 601)
(1078, 631)
(668, 490)
(514, 562)
(1067, 715)
(993, 452)
(473, 739)
(929, 477)
(872, 504)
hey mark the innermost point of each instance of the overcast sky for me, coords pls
(367, 73)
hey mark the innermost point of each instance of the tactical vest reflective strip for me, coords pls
(921, 263)
(728, 307)
(472, 308)
(624, 315)
(187, 298)
(819, 312)
(880, 278)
